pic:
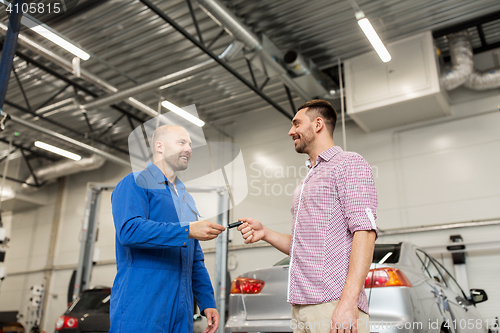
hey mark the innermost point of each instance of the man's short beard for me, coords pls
(305, 141)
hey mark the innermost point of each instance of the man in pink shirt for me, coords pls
(333, 233)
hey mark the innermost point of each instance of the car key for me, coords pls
(235, 224)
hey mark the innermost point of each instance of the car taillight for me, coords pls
(243, 285)
(66, 322)
(386, 277)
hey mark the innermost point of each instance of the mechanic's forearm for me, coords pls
(279, 241)
(363, 244)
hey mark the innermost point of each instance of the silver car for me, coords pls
(407, 289)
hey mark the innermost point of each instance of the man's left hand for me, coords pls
(212, 320)
(344, 318)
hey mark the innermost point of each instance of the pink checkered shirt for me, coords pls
(338, 198)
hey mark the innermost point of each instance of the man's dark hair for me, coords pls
(323, 109)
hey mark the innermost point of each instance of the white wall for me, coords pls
(434, 173)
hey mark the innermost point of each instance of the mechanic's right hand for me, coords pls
(204, 230)
(251, 230)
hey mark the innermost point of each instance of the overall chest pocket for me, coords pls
(161, 206)
(189, 201)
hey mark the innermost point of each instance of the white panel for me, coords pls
(467, 210)
(12, 291)
(384, 174)
(452, 176)
(468, 132)
(374, 147)
(369, 79)
(405, 69)
(403, 91)
(103, 276)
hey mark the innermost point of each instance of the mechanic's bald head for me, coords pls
(172, 143)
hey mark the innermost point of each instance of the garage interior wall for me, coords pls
(438, 172)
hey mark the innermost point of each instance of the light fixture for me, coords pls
(372, 36)
(184, 114)
(48, 33)
(43, 30)
(56, 150)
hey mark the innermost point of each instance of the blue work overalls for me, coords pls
(158, 266)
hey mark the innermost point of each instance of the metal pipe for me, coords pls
(9, 48)
(221, 260)
(45, 109)
(229, 22)
(121, 95)
(64, 168)
(401, 231)
(469, 247)
(82, 145)
(87, 242)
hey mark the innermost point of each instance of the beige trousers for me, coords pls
(317, 318)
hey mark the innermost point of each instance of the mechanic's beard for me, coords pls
(175, 163)
(182, 166)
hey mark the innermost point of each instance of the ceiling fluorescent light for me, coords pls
(50, 34)
(56, 150)
(184, 114)
(46, 32)
(373, 37)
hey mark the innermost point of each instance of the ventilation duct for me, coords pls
(485, 80)
(461, 59)
(463, 72)
(263, 54)
(64, 168)
(296, 63)
(306, 74)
